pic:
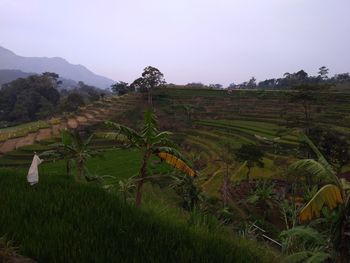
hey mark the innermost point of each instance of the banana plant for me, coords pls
(334, 194)
(304, 244)
(73, 148)
(150, 141)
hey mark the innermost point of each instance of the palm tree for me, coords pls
(335, 194)
(73, 148)
(151, 142)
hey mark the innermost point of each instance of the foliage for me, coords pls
(151, 78)
(333, 145)
(309, 192)
(304, 244)
(177, 163)
(150, 141)
(122, 88)
(251, 154)
(29, 99)
(264, 191)
(125, 187)
(73, 101)
(73, 148)
(263, 195)
(186, 189)
(307, 96)
(7, 249)
(329, 195)
(289, 212)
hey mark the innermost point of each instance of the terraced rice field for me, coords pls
(204, 120)
(209, 118)
(30, 133)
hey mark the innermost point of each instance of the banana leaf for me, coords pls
(177, 163)
(329, 195)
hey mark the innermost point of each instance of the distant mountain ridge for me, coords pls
(8, 75)
(9, 60)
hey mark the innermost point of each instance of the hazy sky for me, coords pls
(212, 41)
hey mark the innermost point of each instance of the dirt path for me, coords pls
(8, 145)
(27, 140)
(72, 123)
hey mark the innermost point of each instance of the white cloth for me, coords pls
(33, 174)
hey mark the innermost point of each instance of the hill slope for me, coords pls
(9, 60)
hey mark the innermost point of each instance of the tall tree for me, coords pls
(27, 99)
(152, 78)
(323, 73)
(307, 96)
(215, 86)
(120, 88)
(90, 92)
(138, 85)
(251, 154)
(73, 101)
(251, 83)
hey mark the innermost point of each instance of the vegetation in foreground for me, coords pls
(61, 220)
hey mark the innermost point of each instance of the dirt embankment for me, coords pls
(89, 116)
(29, 139)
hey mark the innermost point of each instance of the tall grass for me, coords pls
(60, 220)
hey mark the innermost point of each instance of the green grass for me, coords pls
(60, 220)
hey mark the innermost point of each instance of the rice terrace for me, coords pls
(165, 168)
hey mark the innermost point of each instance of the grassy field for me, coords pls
(60, 220)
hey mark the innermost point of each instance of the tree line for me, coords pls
(39, 96)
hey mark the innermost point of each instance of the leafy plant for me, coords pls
(185, 187)
(125, 186)
(73, 148)
(151, 142)
(310, 192)
(333, 195)
(289, 213)
(264, 195)
(304, 244)
(7, 249)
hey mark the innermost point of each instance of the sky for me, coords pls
(208, 41)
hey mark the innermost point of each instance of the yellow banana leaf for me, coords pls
(329, 195)
(177, 163)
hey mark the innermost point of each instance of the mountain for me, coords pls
(8, 75)
(9, 60)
